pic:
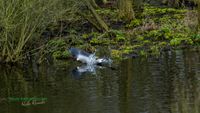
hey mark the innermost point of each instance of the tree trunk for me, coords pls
(100, 22)
(93, 3)
(126, 9)
(105, 1)
(138, 7)
(138, 4)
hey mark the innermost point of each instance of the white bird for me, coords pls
(89, 59)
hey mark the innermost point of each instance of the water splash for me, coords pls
(93, 60)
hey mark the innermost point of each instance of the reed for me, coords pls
(23, 21)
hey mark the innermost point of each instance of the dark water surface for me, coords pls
(168, 84)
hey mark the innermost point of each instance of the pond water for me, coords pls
(168, 84)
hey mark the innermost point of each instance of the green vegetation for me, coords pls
(21, 23)
(50, 27)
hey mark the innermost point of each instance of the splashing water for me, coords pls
(94, 60)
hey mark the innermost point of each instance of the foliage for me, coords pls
(78, 24)
(57, 48)
(196, 37)
(116, 54)
(119, 35)
(134, 23)
(178, 41)
(159, 27)
(156, 11)
(140, 38)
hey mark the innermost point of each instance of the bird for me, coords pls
(88, 58)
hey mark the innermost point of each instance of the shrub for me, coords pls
(22, 21)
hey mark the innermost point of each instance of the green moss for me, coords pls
(164, 19)
(120, 37)
(175, 42)
(155, 50)
(140, 38)
(137, 46)
(178, 41)
(61, 54)
(143, 53)
(152, 10)
(100, 41)
(57, 54)
(190, 41)
(127, 49)
(116, 54)
(146, 42)
(66, 54)
(57, 43)
(90, 36)
(178, 16)
(162, 44)
(154, 34)
(167, 32)
(85, 36)
(117, 36)
(134, 23)
(180, 35)
(95, 41)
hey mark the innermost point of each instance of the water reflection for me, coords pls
(84, 69)
(168, 84)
